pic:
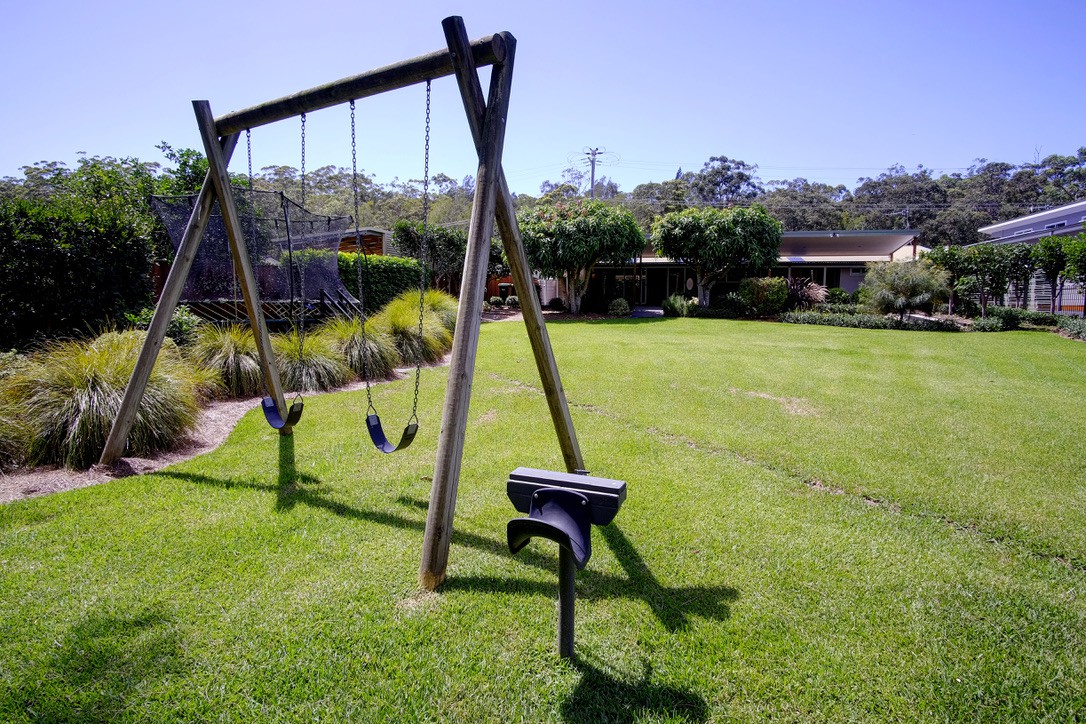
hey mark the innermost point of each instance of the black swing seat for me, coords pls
(380, 441)
(271, 413)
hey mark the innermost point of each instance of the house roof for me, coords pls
(1037, 218)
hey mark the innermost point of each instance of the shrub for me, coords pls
(1073, 327)
(728, 306)
(181, 329)
(231, 351)
(512, 301)
(69, 265)
(679, 306)
(14, 441)
(309, 362)
(383, 277)
(903, 286)
(837, 295)
(804, 293)
(765, 296)
(373, 355)
(832, 308)
(991, 324)
(71, 393)
(497, 302)
(400, 319)
(619, 308)
(556, 304)
(1009, 317)
(444, 306)
(869, 321)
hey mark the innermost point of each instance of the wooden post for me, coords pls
(450, 450)
(221, 179)
(167, 303)
(472, 92)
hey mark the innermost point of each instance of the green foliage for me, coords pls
(497, 302)
(764, 296)
(842, 308)
(68, 265)
(1015, 317)
(309, 362)
(619, 308)
(445, 246)
(444, 306)
(512, 301)
(804, 293)
(181, 329)
(989, 268)
(372, 355)
(1074, 248)
(989, 324)
(679, 306)
(837, 295)
(869, 321)
(556, 304)
(1050, 259)
(1073, 327)
(727, 306)
(400, 319)
(383, 277)
(718, 241)
(952, 260)
(567, 240)
(904, 286)
(231, 351)
(71, 392)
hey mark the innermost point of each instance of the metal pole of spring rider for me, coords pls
(567, 594)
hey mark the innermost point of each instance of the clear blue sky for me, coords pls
(830, 91)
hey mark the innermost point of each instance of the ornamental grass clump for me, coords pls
(231, 350)
(443, 306)
(71, 392)
(372, 355)
(309, 362)
(400, 318)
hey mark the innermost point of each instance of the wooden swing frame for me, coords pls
(492, 203)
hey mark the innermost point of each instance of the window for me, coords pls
(1056, 225)
(1022, 231)
(857, 271)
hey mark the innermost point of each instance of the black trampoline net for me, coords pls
(294, 255)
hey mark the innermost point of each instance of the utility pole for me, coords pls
(592, 153)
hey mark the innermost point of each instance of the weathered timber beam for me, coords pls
(471, 91)
(485, 51)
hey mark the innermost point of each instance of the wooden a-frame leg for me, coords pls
(450, 449)
(217, 170)
(167, 303)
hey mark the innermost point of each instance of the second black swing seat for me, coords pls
(381, 442)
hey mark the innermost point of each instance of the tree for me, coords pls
(445, 248)
(1075, 249)
(801, 205)
(1020, 268)
(897, 199)
(724, 181)
(650, 200)
(567, 240)
(717, 241)
(903, 286)
(988, 266)
(1051, 260)
(950, 259)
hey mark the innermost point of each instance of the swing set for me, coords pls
(492, 204)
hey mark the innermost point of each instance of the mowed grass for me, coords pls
(822, 524)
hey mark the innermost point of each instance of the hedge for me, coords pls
(68, 267)
(383, 277)
(1073, 327)
(869, 321)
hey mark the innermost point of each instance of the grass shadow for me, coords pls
(99, 667)
(287, 487)
(599, 696)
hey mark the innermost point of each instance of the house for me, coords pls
(1066, 220)
(830, 258)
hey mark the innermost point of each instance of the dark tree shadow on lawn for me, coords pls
(95, 671)
(599, 696)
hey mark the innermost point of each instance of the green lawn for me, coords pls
(822, 524)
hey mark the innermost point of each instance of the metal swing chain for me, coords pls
(303, 159)
(422, 248)
(360, 253)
